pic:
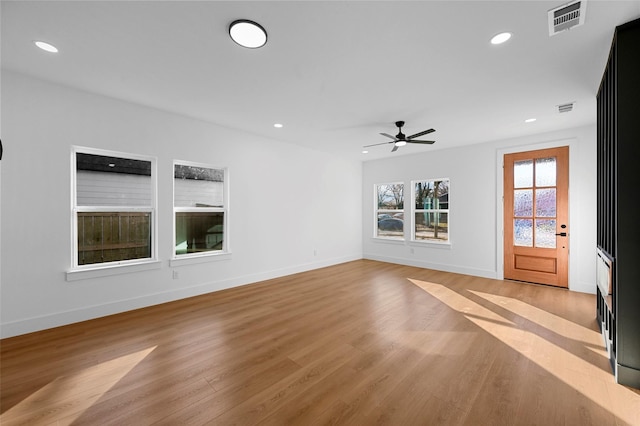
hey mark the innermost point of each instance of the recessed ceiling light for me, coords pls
(530, 120)
(46, 46)
(278, 126)
(248, 33)
(365, 152)
(500, 38)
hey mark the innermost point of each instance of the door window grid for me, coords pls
(535, 203)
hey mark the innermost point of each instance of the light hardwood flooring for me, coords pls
(361, 343)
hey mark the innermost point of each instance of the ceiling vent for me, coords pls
(565, 107)
(566, 16)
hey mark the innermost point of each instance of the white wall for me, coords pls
(476, 205)
(290, 209)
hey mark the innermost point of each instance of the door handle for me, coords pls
(562, 234)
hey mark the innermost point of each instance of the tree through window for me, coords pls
(431, 212)
(390, 211)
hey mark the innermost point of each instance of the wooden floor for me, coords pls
(360, 343)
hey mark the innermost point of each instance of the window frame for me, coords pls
(177, 259)
(415, 210)
(377, 211)
(76, 209)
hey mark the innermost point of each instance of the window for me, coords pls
(390, 211)
(431, 213)
(200, 207)
(113, 208)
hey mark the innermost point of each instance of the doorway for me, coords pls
(536, 216)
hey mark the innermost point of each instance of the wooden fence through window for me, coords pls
(113, 236)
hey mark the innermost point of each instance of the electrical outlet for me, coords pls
(315, 252)
(175, 275)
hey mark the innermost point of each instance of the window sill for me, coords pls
(434, 244)
(106, 271)
(415, 243)
(202, 258)
(388, 240)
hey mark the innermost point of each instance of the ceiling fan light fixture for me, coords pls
(247, 33)
(46, 46)
(401, 139)
(500, 38)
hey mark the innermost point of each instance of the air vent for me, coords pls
(565, 107)
(566, 17)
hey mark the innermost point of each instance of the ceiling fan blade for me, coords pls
(417, 135)
(395, 148)
(376, 144)
(389, 136)
(423, 142)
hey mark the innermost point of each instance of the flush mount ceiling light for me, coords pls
(46, 46)
(248, 33)
(500, 38)
(278, 126)
(530, 120)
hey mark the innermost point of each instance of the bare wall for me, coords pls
(291, 209)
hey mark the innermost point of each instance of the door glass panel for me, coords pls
(546, 202)
(546, 233)
(546, 171)
(523, 202)
(523, 174)
(523, 232)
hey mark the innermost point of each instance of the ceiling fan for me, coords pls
(401, 140)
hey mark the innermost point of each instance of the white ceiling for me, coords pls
(336, 74)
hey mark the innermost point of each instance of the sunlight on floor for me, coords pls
(590, 338)
(585, 377)
(75, 393)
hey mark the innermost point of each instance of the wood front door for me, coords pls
(536, 216)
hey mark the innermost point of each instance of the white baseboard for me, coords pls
(437, 266)
(29, 325)
(581, 287)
